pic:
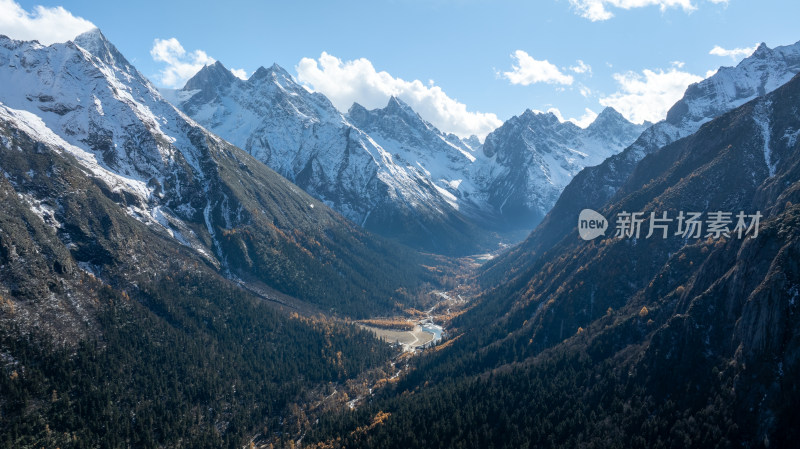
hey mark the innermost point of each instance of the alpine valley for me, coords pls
(228, 264)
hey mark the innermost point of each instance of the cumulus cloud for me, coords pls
(585, 120)
(581, 67)
(528, 70)
(346, 82)
(181, 65)
(597, 10)
(733, 53)
(239, 73)
(46, 25)
(649, 95)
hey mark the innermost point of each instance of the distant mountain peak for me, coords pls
(93, 35)
(762, 50)
(211, 76)
(396, 105)
(356, 107)
(538, 117)
(259, 74)
(95, 42)
(274, 71)
(357, 113)
(609, 111)
(608, 117)
(278, 69)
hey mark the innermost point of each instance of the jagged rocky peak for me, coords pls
(277, 69)
(542, 119)
(473, 142)
(608, 117)
(213, 75)
(786, 54)
(387, 118)
(396, 105)
(357, 113)
(540, 154)
(760, 73)
(528, 120)
(762, 51)
(273, 72)
(305, 138)
(612, 125)
(260, 74)
(96, 43)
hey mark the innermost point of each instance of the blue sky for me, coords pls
(452, 60)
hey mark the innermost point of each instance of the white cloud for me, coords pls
(46, 25)
(357, 81)
(528, 70)
(596, 10)
(649, 95)
(585, 91)
(586, 119)
(581, 67)
(240, 73)
(180, 65)
(734, 53)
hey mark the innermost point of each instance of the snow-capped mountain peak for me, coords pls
(212, 76)
(96, 43)
(398, 106)
(373, 163)
(608, 117)
(302, 136)
(274, 72)
(163, 167)
(538, 155)
(730, 87)
(762, 51)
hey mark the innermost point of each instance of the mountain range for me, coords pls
(391, 171)
(762, 72)
(85, 101)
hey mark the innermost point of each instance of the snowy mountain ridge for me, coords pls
(84, 98)
(535, 156)
(374, 166)
(730, 87)
(305, 138)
